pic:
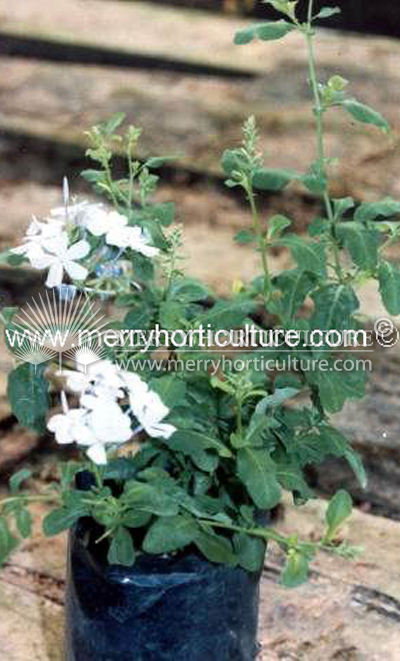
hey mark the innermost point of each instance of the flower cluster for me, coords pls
(113, 407)
(62, 240)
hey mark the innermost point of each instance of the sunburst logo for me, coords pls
(59, 325)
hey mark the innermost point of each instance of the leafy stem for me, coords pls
(319, 113)
(49, 498)
(260, 239)
(326, 542)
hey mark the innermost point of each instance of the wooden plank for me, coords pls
(348, 610)
(154, 30)
(197, 120)
(167, 32)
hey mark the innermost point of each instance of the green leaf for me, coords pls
(138, 318)
(273, 180)
(334, 307)
(110, 126)
(257, 471)
(327, 12)
(372, 210)
(296, 569)
(150, 498)
(339, 509)
(134, 519)
(94, 176)
(263, 31)
(356, 463)
(197, 441)
(143, 267)
(250, 551)
(233, 160)
(170, 534)
(294, 286)
(171, 389)
(5, 257)
(361, 242)
(280, 396)
(121, 550)
(315, 183)
(164, 213)
(6, 541)
(172, 314)
(24, 522)
(365, 114)
(61, 519)
(18, 478)
(188, 290)
(245, 237)
(28, 394)
(277, 224)
(228, 314)
(341, 205)
(309, 255)
(215, 548)
(158, 161)
(291, 478)
(389, 286)
(313, 448)
(335, 387)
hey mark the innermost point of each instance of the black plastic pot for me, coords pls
(164, 608)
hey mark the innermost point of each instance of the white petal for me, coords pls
(76, 271)
(110, 424)
(97, 454)
(148, 251)
(160, 430)
(55, 275)
(41, 260)
(78, 381)
(118, 237)
(134, 382)
(59, 425)
(78, 250)
(116, 219)
(57, 244)
(34, 228)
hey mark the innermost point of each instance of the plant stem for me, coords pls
(110, 184)
(261, 243)
(239, 420)
(262, 533)
(319, 112)
(31, 499)
(98, 473)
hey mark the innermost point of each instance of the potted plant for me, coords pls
(184, 452)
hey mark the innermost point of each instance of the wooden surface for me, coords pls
(196, 119)
(348, 611)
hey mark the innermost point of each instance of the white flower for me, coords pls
(37, 234)
(139, 242)
(101, 420)
(149, 410)
(108, 422)
(100, 222)
(59, 257)
(118, 233)
(70, 427)
(100, 378)
(95, 424)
